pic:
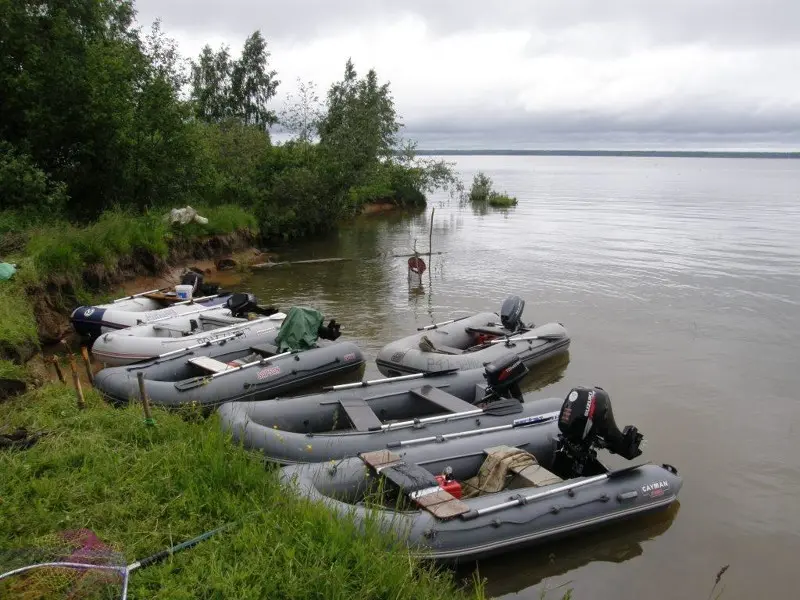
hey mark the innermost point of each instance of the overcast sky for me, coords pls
(536, 74)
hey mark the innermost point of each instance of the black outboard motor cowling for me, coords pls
(586, 419)
(503, 376)
(241, 303)
(331, 331)
(511, 313)
(194, 279)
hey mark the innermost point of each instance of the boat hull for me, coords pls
(554, 512)
(92, 321)
(145, 342)
(172, 382)
(405, 356)
(314, 427)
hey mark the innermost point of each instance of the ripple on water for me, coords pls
(677, 279)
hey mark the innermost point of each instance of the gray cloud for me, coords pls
(733, 22)
(517, 72)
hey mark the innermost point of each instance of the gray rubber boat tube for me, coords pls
(493, 525)
(173, 381)
(316, 428)
(450, 339)
(144, 342)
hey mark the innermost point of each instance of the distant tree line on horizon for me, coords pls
(96, 114)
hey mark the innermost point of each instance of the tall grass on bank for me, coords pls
(17, 322)
(63, 249)
(141, 489)
(10, 370)
(223, 219)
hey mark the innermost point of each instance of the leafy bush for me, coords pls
(296, 205)
(482, 193)
(27, 192)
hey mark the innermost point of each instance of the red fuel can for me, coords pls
(449, 485)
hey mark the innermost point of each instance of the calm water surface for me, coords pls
(679, 282)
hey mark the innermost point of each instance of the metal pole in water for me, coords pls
(430, 235)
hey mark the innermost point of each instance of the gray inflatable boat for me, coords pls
(211, 373)
(492, 491)
(472, 341)
(359, 417)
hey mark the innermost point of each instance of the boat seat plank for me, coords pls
(410, 478)
(209, 364)
(360, 414)
(379, 459)
(526, 475)
(442, 399)
(442, 504)
(418, 484)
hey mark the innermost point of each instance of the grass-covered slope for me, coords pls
(144, 488)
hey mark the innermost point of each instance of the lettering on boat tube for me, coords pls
(268, 372)
(655, 489)
(535, 420)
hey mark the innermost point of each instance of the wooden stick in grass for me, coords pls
(88, 364)
(143, 396)
(57, 365)
(76, 381)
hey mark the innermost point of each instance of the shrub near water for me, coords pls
(142, 489)
(481, 193)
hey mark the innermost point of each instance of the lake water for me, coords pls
(678, 280)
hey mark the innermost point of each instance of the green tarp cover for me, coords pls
(6, 271)
(299, 330)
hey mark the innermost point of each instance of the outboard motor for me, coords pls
(586, 422)
(511, 313)
(194, 279)
(241, 303)
(503, 376)
(331, 331)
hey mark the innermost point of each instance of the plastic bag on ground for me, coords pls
(7, 271)
(183, 216)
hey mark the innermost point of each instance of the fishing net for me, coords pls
(75, 565)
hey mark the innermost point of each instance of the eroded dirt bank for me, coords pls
(218, 257)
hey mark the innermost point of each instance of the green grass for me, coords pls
(222, 220)
(65, 249)
(501, 200)
(142, 489)
(10, 370)
(17, 322)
